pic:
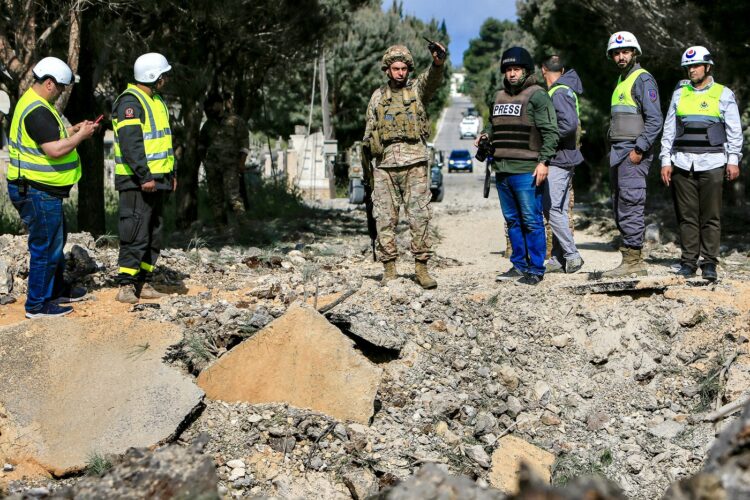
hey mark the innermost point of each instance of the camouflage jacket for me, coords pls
(223, 139)
(402, 154)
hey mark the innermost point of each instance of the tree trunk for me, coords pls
(188, 163)
(74, 51)
(91, 210)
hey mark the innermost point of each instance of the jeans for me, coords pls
(521, 202)
(42, 214)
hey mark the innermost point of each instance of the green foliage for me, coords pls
(97, 464)
(578, 30)
(353, 51)
(482, 59)
(709, 386)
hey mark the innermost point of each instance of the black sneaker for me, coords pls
(71, 294)
(708, 271)
(531, 279)
(686, 270)
(509, 275)
(49, 310)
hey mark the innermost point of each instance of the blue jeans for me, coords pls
(42, 214)
(521, 202)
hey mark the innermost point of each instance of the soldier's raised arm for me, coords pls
(429, 81)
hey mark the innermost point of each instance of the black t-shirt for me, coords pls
(42, 127)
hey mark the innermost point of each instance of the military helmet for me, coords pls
(397, 53)
(517, 56)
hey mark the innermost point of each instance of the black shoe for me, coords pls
(49, 310)
(531, 279)
(510, 274)
(686, 270)
(708, 271)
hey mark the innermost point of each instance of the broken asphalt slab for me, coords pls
(368, 326)
(73, 388)
(655, 283)
(299, 359)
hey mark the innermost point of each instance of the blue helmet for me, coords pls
(517, 56)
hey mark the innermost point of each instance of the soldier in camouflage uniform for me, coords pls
(223, 147)
(396, 131)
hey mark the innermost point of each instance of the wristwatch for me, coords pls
(638, 150)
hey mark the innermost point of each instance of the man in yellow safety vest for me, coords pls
(144, 175)
(44, 166)
(635, 125)
(703, 140)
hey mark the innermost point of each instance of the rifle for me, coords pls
(434, 47)
(367, 183)
(487, 177)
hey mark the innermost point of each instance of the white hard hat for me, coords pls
(696, 55)
(149, 67)
(623, 40)
(52, 67)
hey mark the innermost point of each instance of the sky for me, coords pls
(462, 17)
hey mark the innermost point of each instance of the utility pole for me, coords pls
(325, 106)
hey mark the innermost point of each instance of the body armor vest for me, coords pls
(401, 117)
(700, 127)
(514, 136)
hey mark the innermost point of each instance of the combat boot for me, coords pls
(632, 264)
(423, 277)
(389, 272)
(127, 295)
(149, 292)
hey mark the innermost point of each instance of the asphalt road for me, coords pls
(460, 187)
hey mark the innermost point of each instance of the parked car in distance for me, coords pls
(460, 159)
(469, 126)
(437, 188)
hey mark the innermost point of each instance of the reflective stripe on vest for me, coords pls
(626, 121)
(27, 158)
(566, 143)
(557, 87)
(514, 136)
(700, 127)
(157, 136)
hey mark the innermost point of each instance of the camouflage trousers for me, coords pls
(410, 187)
(223, 180)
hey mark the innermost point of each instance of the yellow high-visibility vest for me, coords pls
(157, 136)
(27, 159)
(700, 126)
(626, 122)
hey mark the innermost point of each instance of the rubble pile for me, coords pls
(611, 382)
